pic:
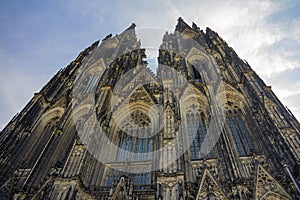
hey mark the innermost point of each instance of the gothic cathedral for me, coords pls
(202, 125)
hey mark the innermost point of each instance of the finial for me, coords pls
(194, 26)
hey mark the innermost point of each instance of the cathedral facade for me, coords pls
(204, 125)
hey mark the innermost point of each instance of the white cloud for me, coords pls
(295, 30)
(265, 44)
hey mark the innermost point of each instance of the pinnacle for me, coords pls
(181, 25)
(132, 26)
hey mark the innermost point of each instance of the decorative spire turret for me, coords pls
(181, 25)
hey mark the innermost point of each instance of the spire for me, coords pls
(181, 25)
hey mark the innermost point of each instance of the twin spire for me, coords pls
(181, 26)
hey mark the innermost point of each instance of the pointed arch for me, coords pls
(135, 123)
(235, 121)
(194, 112)
(41, 134)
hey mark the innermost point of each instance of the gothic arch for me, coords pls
(134, 126)
(82, 112)
(193, 99)
(41, 133)
(195, 55)
(96, 68)
(236, 125)
(233, 97)
(195, 115)
(203, 64)
(48, 116)
(150, 109)
(89, 77)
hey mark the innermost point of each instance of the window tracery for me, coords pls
(197, 131)
(134, 142)
(141, 119)
(92, 82)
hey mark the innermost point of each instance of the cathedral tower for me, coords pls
(203, 126)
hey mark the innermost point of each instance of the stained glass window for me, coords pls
(133, 148)
(92, 82)
(140, 180)
(197, 132)
(112, 178)
(240, 134)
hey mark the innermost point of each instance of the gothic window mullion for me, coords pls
(88, 87)
(196, 139)
(202, 132)
(246, 135)
(148, 148)
(135, 148)
(128, 149)
(239, 131)
(142, 152)
(234, 133)
(189, 142)
(197, 132)
(139, 146)
(193, 135)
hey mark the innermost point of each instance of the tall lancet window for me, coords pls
(239, 132)
(92, 82)
(133, 148)
(197, 131)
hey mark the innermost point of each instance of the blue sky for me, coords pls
(37, 38)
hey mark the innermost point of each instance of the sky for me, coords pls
(37, 38)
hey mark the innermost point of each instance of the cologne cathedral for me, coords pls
(202, 125)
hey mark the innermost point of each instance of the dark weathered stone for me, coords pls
(43, 157)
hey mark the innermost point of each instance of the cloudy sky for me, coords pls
(37, 38)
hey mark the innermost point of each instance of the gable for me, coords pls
(267, 186)
(209, 187)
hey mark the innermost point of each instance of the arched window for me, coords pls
(239, 132)
(38, 140)
(134, 142)
(133, 148)
(197, 131)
